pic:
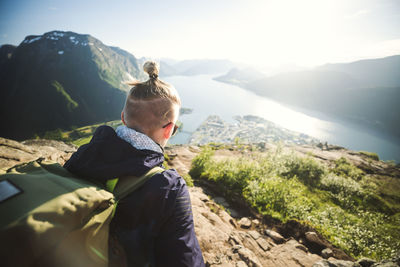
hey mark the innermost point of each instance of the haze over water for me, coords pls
(209, 97)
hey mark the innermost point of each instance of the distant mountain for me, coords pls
(371, 72)
(166, 68)
(303, 87)
(366, 92)
(169, 61)
(61, 79)
(196, 67)
(240, 77)
(172, 67)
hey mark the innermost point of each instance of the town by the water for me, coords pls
(247, 129)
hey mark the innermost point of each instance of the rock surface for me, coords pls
(275, 236)
(223, 243)
(13, 152)
(222, 239)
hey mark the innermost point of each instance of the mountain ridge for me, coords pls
(365, 92)
(43, 76)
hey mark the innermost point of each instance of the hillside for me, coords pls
(240, 77)
(365, 92)
(224, 177)
(230, 232)
(59, 80)
(372, 72)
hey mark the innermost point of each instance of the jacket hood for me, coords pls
(108, 156)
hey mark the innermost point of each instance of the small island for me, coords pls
(185, 111)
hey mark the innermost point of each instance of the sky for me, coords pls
(268, 33)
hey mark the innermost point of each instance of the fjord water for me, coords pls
(209, 97)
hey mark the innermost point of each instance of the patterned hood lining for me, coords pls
(137, 140)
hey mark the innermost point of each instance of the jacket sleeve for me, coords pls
(177, 244)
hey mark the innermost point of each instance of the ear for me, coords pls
(168, 131)
(122, 118)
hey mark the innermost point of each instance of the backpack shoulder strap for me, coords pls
(128, 184)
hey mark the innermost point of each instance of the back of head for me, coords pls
(150, 104)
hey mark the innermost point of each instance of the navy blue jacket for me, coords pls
(154, 224)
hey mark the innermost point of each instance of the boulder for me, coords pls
(314, 238)
(275, 236)
(248, 257)
(326, 253)
(254, 234)
(263, 244)
(241, 264)
(245, 223)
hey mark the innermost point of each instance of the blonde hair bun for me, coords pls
(152, 68)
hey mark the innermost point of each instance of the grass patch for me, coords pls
(82, 141)
(346, 169)
(338, 201)
(77, 136)
(188, 179)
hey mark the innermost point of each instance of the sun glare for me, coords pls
(291, 31)
(272, 33)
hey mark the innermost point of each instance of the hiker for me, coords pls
(154, 224)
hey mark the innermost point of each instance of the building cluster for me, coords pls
(246, 129)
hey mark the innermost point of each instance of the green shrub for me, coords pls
(56, 134)
(270, 196)
(338, 184)
(344, 168)
(348, 212)
(306, 169)
(188, 179)
(200, 161)
(76, 134)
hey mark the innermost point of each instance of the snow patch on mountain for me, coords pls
(29, 41)
(58, 34)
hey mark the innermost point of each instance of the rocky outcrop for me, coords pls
(225, 242)
(13, 152)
